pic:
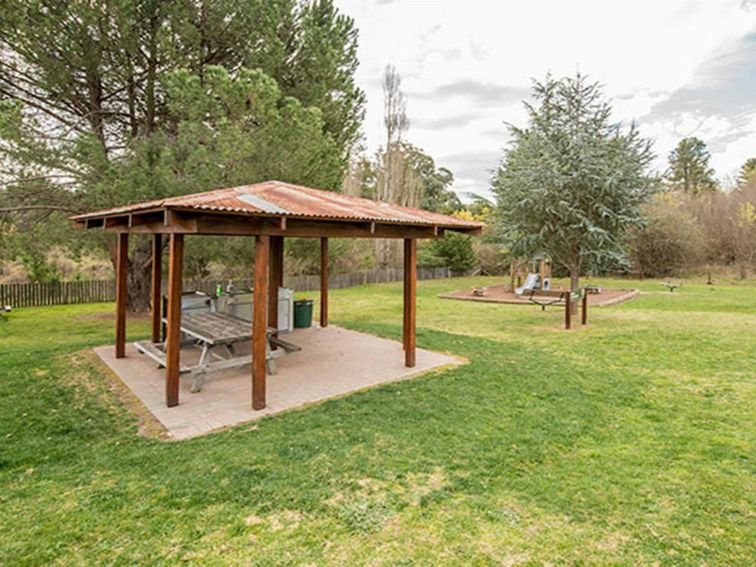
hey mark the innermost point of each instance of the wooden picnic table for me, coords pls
(216, 328)
(208, 331)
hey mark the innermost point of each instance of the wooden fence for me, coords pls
(56, 293)
(64, 293)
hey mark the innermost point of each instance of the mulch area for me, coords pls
(500, 294)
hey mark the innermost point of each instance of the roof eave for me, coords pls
(468, 227)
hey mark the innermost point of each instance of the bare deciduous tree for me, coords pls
(396, 123)
(394, 119)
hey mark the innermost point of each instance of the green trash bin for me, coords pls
(303, 313)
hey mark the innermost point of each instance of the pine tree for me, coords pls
(689, 169)
(85, 87)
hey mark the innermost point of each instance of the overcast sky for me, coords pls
(678, 67)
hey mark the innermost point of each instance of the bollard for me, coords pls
(584, 318)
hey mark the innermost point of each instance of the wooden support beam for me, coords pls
(122, 269)
(567, 309)
(324, 282)
(259, 321)
(180, 221)
(410, 292)
(235, 225)
(157, 285)
(141, 219)
(584, 318)
(275, 279)
(121, 222)
(307, 228)
(154, 227)
(173, 328)
(195, 222)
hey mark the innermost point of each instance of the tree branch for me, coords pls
(21, 208)
(38, 178)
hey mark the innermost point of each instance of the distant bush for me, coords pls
(670, 241)
(727, 222)
(491, 259)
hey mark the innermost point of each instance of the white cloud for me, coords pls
(466, 65)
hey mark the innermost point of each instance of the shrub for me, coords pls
(455, 250)
(491, 258)
(669, 242)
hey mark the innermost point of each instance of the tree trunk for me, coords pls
(574, 279)
(139, 275)
(574, 286)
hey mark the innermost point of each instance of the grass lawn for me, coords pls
(631, 441)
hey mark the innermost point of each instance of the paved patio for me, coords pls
(333, 362)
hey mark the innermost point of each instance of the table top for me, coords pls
(216, 328)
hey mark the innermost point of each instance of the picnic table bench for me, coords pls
(216, 334)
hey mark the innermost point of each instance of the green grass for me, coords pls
(630, 441)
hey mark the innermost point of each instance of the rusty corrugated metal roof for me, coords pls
(285, 199)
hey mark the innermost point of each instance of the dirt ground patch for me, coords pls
(500, 294)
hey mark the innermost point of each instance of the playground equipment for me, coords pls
(530, 275)
(562, 297)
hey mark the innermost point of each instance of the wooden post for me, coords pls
(275, 279)
(173, 328)
(567, 309)
(164, 327)
(323, 282)
(584, 318)
(122, 268)
(157, 284)
(405, 295)
(259, 321)
(410, 290)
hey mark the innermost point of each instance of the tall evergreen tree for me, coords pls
(689, 168)
(85, 87)
(572, 181)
